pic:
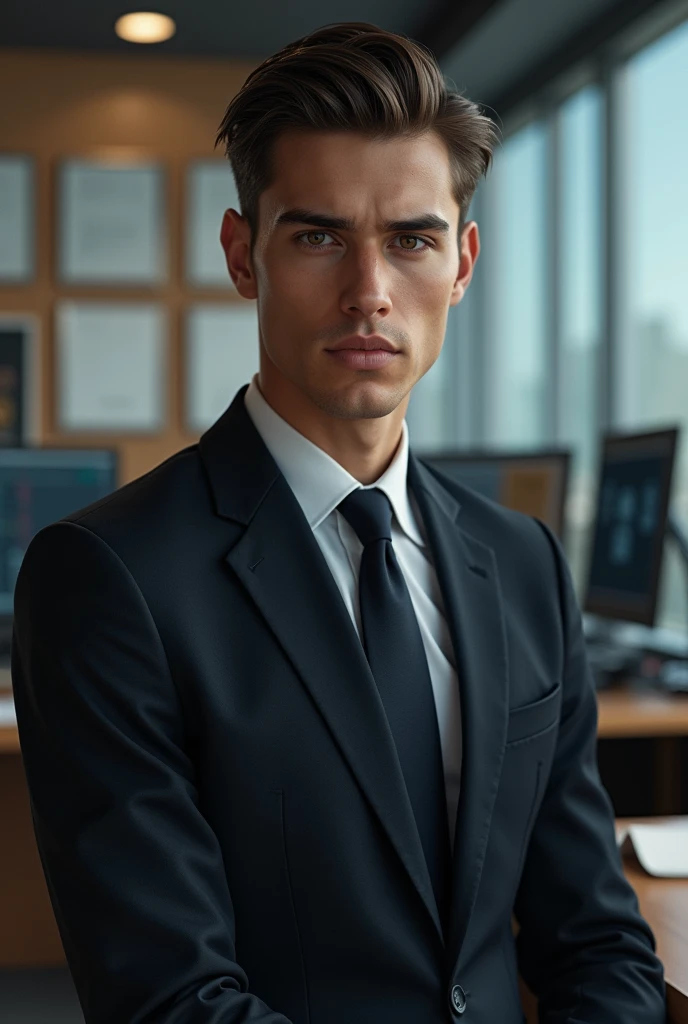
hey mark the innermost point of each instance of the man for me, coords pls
(306, 723)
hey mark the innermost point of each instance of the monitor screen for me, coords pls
(632, 503)
(37, 487)
(531, 482)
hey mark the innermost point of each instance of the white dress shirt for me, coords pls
(319, 484)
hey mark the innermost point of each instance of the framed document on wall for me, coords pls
(210, 190)
(111, 366)
(221, 356)
(17, 219)
(20, 381)
(111, 223)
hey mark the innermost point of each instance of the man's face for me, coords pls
(317, 283)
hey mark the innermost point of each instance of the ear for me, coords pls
(469, 250)
(235, 238)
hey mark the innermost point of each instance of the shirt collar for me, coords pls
(318, 481)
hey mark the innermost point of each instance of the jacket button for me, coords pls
(458, 999)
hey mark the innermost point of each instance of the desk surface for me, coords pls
(9, 740)
(664, 905)
(634, 713)
(622, 713)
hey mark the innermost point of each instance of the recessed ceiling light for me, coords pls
(145, 27)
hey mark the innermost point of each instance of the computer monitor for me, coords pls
(37, 487)
(634, 488)
(531, 482)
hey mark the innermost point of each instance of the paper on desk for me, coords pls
(662, 849)
(7, 712)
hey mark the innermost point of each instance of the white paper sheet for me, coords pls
(661, 848)
(111, 223)
(210, 191)
(112, 365)
(16, 219)
(221, 356)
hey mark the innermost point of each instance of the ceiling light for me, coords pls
(145, 27)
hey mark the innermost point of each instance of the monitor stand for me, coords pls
(610, 659)
(680, 539)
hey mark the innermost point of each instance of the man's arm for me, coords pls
(583, 947)
(134, 871)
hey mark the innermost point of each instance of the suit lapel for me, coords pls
(467, 573)
(279, 562)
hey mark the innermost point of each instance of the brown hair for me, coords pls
(353, 77)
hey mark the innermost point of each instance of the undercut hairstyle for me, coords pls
(351, 77)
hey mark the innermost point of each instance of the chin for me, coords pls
(362, 400)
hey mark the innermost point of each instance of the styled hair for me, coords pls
(352, 77)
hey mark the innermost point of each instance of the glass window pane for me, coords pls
(515, 257)
(653, 371)
(429, 413)
(580, 269)
(440, 412)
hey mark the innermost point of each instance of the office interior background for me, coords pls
(575, 324)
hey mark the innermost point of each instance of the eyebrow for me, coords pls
(424, 222)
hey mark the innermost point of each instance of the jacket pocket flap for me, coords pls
(534, 718)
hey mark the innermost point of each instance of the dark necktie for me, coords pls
(394, 647)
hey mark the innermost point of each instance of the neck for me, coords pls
(365, 447)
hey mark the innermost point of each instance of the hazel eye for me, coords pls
(412, 238)
(314, 239)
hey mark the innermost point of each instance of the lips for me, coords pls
(372, 344)
(363, 359)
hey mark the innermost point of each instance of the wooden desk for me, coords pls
(635, 713)
(9, 740)
(632, 714)
(664, 905)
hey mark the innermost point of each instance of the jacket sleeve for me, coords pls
(134, 871)
(583, 949)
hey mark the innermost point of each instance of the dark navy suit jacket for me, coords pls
(218, 805)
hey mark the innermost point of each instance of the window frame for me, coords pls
(605, 68)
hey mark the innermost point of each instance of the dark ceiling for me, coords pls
(218, 28)
(498, 51)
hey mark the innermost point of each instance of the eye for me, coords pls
(413, 238)
(315, 240)
(319, 235)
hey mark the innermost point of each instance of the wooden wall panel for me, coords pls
(57, 105)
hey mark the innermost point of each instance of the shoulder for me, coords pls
(512, 535)
(145, 520)
(164, 492)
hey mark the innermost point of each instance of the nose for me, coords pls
(366, 289)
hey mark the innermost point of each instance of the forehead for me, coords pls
(349, 174)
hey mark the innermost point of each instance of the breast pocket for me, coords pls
(531, 742)
(529, 721)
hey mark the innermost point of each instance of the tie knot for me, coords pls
(369, 512)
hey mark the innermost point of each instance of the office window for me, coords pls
(444, 403)
(653, 360)
(515, 294)
(579, 267)
(429, 415)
